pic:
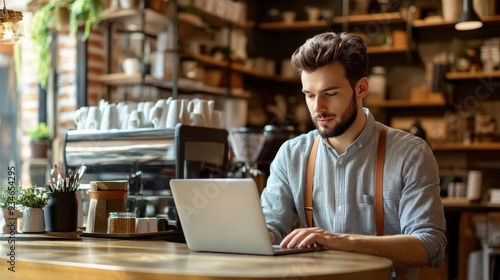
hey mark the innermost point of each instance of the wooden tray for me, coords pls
(73, 235)
(131, 235)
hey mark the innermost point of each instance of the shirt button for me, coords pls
(340, 162)
(340, 208)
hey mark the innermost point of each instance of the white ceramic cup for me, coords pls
(80, 117)
(93, 118)
(155, 116)
(313, 13)
(198, 119)
(148, 106)
(126, 4)
(173, 113)
(235, 113)
(474, 184)
(110, 119)
(131, 65)
(152, 224)
(217, 119)
(200, 106)
(134, 120)
(177, 113)
(141, 225)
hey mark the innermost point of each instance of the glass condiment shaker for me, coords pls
(121, 222)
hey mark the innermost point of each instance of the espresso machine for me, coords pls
(157, 155)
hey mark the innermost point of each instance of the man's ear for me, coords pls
(362, 87)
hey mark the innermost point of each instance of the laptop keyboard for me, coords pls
(277, 248)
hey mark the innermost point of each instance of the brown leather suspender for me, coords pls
(309, 182)
(379, 178)
(379, 182)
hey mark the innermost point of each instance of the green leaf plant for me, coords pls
(86, 13)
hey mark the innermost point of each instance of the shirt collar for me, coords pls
(363, 138)
(367, 133)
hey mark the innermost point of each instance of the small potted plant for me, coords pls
(39, 140)
(34, 200)
(7, 208)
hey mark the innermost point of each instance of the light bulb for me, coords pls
(10, 27)
(8, 31)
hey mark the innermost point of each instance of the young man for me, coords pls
(333, 69)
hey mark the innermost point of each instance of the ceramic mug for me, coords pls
(93, 118)
(80, 117)
(135, 119)
(201, 106)
(131, 65)
(177, 113)
(141, 225)
(313, 13)
(198, 119)
(152, 224)
(155, 116)
(217, 119)
(235, 113)
(110, 118)
(173, 113)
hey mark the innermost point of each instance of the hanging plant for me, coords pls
(86, 13)
(40, 29)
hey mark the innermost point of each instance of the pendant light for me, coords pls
(468, 19)
(11, 28)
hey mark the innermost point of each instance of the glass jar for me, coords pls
(377, 84)
(121, 222)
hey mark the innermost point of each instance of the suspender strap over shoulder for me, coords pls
(379, 182)
(379, 179)
(309, 182)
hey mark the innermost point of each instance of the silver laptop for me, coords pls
(224, 215)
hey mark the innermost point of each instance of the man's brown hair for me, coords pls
(346, 48)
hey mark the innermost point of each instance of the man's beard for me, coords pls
(347, 119)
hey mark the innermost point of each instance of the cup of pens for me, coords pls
(61, 212)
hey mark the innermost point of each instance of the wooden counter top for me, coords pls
(463, 205)
(146, 259)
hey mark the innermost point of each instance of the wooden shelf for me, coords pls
(315, 25)
(422, 23)
(118, 79)
(386, 49)
(154, 22)
(238, 67)
(133, 16)
(486, 146)
(471, 75)
(297, 25)
(221, 17)
(403, 104)
(184, 85)
(378, 17)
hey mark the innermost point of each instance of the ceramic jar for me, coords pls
(61, 212)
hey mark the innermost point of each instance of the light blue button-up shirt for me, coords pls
(344, 188)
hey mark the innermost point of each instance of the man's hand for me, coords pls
(309, 237)
(404, 250)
